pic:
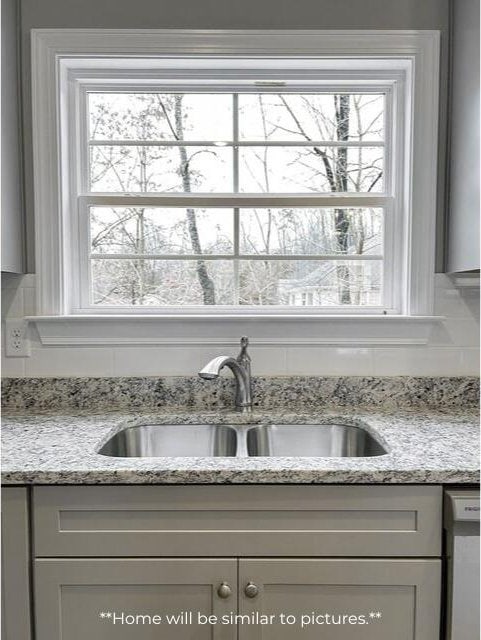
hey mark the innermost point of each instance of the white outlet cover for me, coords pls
(17, 343)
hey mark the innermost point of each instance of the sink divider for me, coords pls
(242, 451)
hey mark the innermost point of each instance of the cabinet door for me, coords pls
(75, 597)
(463, 234)
(340, 599)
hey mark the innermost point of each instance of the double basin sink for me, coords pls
(273, 440)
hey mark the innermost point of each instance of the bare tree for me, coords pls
(341, 216)
(106, 162)
(205, 281)
(268, 231)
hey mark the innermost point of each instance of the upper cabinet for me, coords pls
(463, 239)
(12, 204)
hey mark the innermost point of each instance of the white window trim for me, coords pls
(54, 50)
(376, 81)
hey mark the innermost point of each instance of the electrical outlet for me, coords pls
(17, 344)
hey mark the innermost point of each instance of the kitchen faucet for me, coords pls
(241, 368)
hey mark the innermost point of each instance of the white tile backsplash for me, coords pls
(453, 349)
(422, 361)
(165, 361)
(151, 361)
(456, 303)
(12, 367)
(322, 361)
(70, 361)
(470, 360)
(454, 331)
(13, 303)
(29, 301)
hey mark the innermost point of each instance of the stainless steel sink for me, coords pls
(207, 440)
(317, 440)
(172, 440)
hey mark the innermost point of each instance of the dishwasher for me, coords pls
(461, 523)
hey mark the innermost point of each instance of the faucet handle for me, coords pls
(243, 356)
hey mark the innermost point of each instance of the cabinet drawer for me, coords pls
(238, 521)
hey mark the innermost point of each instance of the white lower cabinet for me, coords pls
(251, 599)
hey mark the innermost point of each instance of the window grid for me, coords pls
(350, 199)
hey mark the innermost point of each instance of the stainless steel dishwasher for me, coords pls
(461, 522)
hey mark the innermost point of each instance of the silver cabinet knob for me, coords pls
(224, 591)
(251, 590)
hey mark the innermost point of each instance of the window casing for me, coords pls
(310, 278)
(66, 62)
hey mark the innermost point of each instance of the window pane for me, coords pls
(310, 169)
(310, 231)
(273, 121)
(148, 169)
(162, 282)
(160, 116)
(319, 117)
(311, 282)
(161, 231)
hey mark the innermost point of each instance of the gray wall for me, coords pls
(243, 14)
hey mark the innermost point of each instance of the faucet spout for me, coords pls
(213, 368)
(240, 368)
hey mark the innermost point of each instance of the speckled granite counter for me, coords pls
(273, 393)
(61, 448)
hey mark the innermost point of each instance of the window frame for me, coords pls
(56, 55)
(390, 83)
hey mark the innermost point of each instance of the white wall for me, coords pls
(453, 349)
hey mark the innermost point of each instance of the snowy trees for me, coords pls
(149, 143)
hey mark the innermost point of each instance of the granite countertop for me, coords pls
(438, 447)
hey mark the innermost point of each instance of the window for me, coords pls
(275, 144)
(235, 173)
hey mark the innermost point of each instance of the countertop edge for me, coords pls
(241, 477)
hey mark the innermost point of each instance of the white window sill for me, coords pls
(263, 330)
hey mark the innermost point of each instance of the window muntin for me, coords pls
(189, 144)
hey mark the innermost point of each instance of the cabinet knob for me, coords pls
(224, 591)
(251, 590)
